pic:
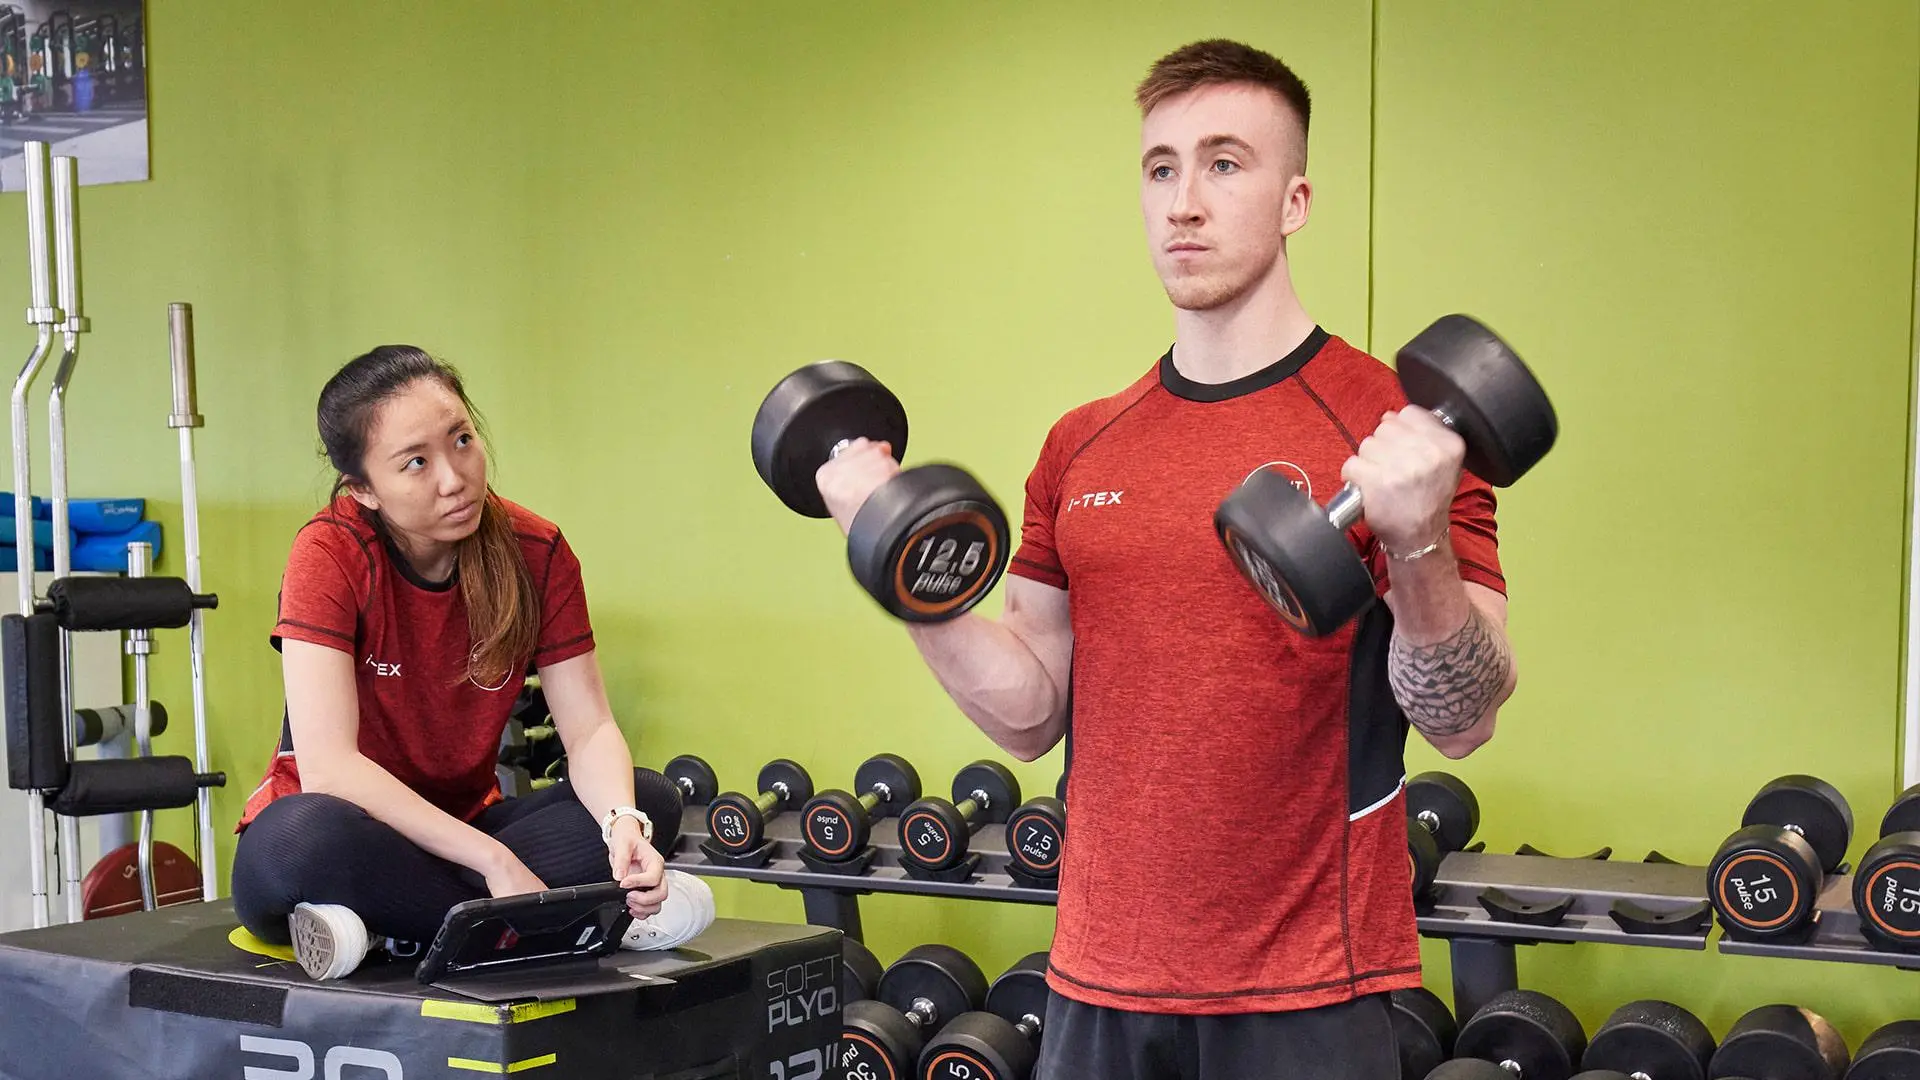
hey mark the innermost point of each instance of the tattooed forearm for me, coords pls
(1445, 688)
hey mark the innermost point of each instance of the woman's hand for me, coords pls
(508, 876)
(637, 866)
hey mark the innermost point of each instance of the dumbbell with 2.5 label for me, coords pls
(1001, 1043)
(935, 833)
(835, 825)
(1296, 554)
(930, 542)
(738, 822)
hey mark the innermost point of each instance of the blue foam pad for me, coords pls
(108, 551)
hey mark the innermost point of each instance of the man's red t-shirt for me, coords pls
(421, 718)
(1237, 828)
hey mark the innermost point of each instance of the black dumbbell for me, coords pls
(835, 825)
(1766, 879)
(929, 543)
(1530, 1035)
(934, 833)
(1001, 1043)
(919, 994)
(738, 822)
(1442, 816)
(1652, 1040)
(1891, 1053)
(1468, 1069)
(860, 971)
(695, 779)
(1296, 553)
(1423, 1029)
(1780, 1042)
(1037, 837)
(1886, 890)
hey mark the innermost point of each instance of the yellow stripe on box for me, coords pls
(500, 1070)
(493, 1014)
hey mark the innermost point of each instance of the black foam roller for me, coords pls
(129, 785)
(105, 603)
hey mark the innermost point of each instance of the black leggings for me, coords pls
(318, 849)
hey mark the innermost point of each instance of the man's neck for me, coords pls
(1241, 337)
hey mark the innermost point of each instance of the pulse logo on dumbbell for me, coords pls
(1001, 1043)
(928, 544)
(935, 833)
(1886, 891)
(1297, 555)
(738, 823)
(918, 995)
(835, 825)
(1765, 881)
(1037, 840)
(1442, 816)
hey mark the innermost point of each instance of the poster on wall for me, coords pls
(73, 74)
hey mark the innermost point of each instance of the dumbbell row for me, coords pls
(835, 827)
(1528, 1035)
(932, 1015)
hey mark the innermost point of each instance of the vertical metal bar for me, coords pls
(184, 418)
(67, 272)
(1482, 970)
(140, 646)
(832, 907)
(42, 315)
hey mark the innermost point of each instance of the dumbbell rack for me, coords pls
(1483, 904)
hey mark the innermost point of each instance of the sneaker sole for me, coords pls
(313, 944)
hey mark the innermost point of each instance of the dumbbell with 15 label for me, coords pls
(1442, 816)
(1886, 890)
(1001, 1043)
(1766, 879)
(738, 823)
(920, 993)
(835, 825)
(929, 543)
(1296, 553)
(695, 779)
(934, 833)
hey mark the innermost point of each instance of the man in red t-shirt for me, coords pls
(1235, 900)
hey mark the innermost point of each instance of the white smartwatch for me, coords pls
(618, 812)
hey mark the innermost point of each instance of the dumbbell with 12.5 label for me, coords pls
(934, 833)
(738, 823)
(920, 993)
(835, 825)
(1765, 881)
(1886, 890)
(1001, 1043)
(1296, 554)
(930, 542)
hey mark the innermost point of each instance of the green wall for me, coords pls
(1699, 228)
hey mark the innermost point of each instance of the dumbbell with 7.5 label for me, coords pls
(935, 833)
(1037, 840)
(1296, 553)
(928, 544)
(1001, 1043)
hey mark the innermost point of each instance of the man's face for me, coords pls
(1221, 189)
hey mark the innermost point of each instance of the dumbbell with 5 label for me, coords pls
(835, 825)
(917, 996)
(930, 542)
(1000, 1043)
(1296, 554)
(935, 833)
(738, 822)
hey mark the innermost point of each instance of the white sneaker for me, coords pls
(688, 911)
(329, 940)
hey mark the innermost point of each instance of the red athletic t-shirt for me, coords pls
(421, 718)
(1237, 833)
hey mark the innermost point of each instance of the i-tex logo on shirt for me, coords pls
(1094, 498)
(380, 668)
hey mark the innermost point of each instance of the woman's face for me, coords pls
(424, 470)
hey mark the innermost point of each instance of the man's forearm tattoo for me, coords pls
(1446, 687)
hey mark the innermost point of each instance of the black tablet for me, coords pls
(580, 922)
